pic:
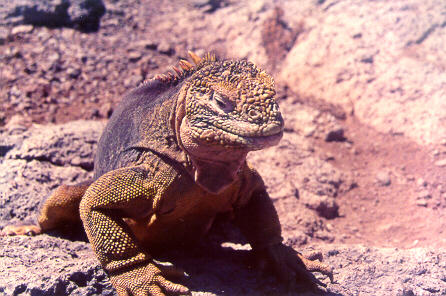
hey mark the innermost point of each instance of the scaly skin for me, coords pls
(172, 157)
(226, 110)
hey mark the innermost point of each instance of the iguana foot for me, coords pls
(291, 265)
(30, 230)
(148, 280)
(313, 262)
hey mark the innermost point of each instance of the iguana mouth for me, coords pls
(229, 132)
(245, 129)
(269, 138)
(239, 135)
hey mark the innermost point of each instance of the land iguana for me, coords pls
(172, 157)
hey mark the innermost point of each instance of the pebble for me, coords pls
(165, 48)
(73, 72)
(134, 56)
(383, 178)
(336, 135)
(53, 57)
(325, 206)
(441, 163)
(421, 182)
(421, 202)
(22, 29)
(308, 130)
(424, 194)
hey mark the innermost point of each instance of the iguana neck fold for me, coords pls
(212, 168)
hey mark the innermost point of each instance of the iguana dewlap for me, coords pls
(172, 157)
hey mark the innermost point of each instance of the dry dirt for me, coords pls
(401, 214)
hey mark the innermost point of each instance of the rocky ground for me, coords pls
(359, 174)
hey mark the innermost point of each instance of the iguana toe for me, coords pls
(312, 262)
(147, 280)
(291, 265)
(29, 230)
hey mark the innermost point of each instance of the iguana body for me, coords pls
(171, 158)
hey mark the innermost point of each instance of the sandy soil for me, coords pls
(408, 212)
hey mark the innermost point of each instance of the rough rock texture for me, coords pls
(47, 265)
(39, 159)
(50, 266)
(382, 60)
(362, 90)
(84, 14)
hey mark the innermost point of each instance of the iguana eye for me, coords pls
(219, 100)
(220, 103)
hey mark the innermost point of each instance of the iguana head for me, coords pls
(225, 109)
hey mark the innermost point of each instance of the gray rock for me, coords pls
(38, 160)
(383, 178)
(60, 144)
(386, 271)
(46, 265)
(84, 14)
(339, 60)
(441, 163)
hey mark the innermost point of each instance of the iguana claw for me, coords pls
(291, 265)
(148, 280)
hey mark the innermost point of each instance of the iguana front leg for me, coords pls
(259, 222)
(126, 193)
